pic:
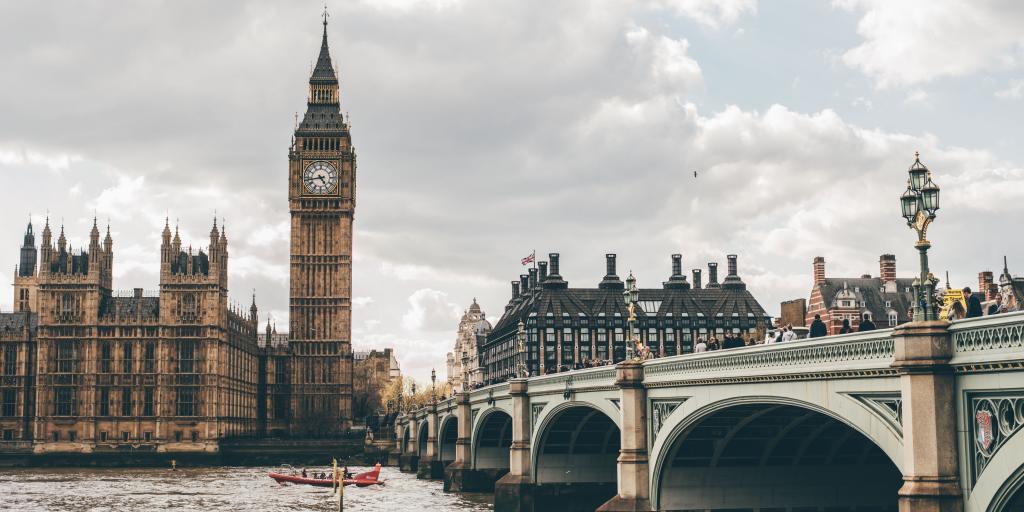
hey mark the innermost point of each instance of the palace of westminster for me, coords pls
(84, 368)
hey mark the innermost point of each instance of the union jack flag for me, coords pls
(530, 259)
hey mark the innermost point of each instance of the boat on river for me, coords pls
(371, 477)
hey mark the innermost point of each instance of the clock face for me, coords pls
(320, 177)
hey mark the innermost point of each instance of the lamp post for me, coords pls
(630, 295)
(433, 386)
(919, 203)
(400, 404)
(521, 369)
(465, 371)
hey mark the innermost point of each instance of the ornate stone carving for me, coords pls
(534, 411)
(875, 348)
(1001, 332)
(660, 411)
(888, 406)
(994, 418)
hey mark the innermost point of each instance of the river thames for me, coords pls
(215, 489)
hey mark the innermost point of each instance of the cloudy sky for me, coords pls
(487, 129)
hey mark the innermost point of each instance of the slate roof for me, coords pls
(870, 291)
(13, 322)
(129, 308)
(587, 304)
(324, 70)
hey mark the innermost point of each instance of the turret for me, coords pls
(732, 280)
(27, 267)
(253, 312)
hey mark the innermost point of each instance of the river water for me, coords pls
(215, 489)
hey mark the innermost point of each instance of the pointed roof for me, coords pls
(324, 69)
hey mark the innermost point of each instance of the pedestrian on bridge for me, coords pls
(818, 328)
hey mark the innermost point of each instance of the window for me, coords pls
(888, 303)
(105, 357)
(10, 405)
(125, 435)
(65, 357)
(72, 435)
(892, 318)
(186, 356)
(9, 434)
(195, 436)
(147, 402)
(11, 359)
(103, 436)
(177, 436)
(55, 435)
(149, 358)
(64, 401)
(147, 436)
(104, 401)
(186, 401)
(126, 361)
(126, 402)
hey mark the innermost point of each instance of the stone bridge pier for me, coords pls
(923, 417)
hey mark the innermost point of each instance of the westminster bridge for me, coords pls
(926, 416)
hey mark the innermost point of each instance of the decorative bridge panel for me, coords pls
(870, 351)
(989, 343)
(995, 417)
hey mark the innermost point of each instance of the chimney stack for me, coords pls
(610, 281)
(696, 279)
(677, 280)
(887, 268)
(543, 266)
(533, 279)
(986, 284)
(713, 274)
(515, 289)
(554, 279)
(733, 281)
(524, 283)
(819, 269)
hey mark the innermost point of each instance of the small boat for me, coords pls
(361, 480)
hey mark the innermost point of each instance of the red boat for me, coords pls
(361, 480)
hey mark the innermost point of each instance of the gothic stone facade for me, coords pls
(566, 327)
(473, 331)
(321, 199)
(113, 371)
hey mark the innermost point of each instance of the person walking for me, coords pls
(845, 329)
(866, 324)
(973, 304)
(789, 335)
(700, 346)
(818, 328)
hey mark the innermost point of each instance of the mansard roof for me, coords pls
(871, 292)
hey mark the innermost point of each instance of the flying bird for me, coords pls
(694, 174)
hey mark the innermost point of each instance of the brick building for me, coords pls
(885, 299)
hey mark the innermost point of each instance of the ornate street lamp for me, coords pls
(521, 370)
(465, 371)
(631, 295)
(433, 386)
(918, 204)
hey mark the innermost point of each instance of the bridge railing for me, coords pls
(868, 353)
(989, 342)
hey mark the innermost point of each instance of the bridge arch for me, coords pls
(575, 456)
(406, 432)
(422, 435)
(769, 452)
(447, 435)
(492, 439)
(1001, 485)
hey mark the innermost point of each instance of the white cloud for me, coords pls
(671, 69)
(712, 13)
(361, 302)
(430, 310)
(918, 97)
(912, 42)
(1014, 91)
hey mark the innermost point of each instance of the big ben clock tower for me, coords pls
(322, 200)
